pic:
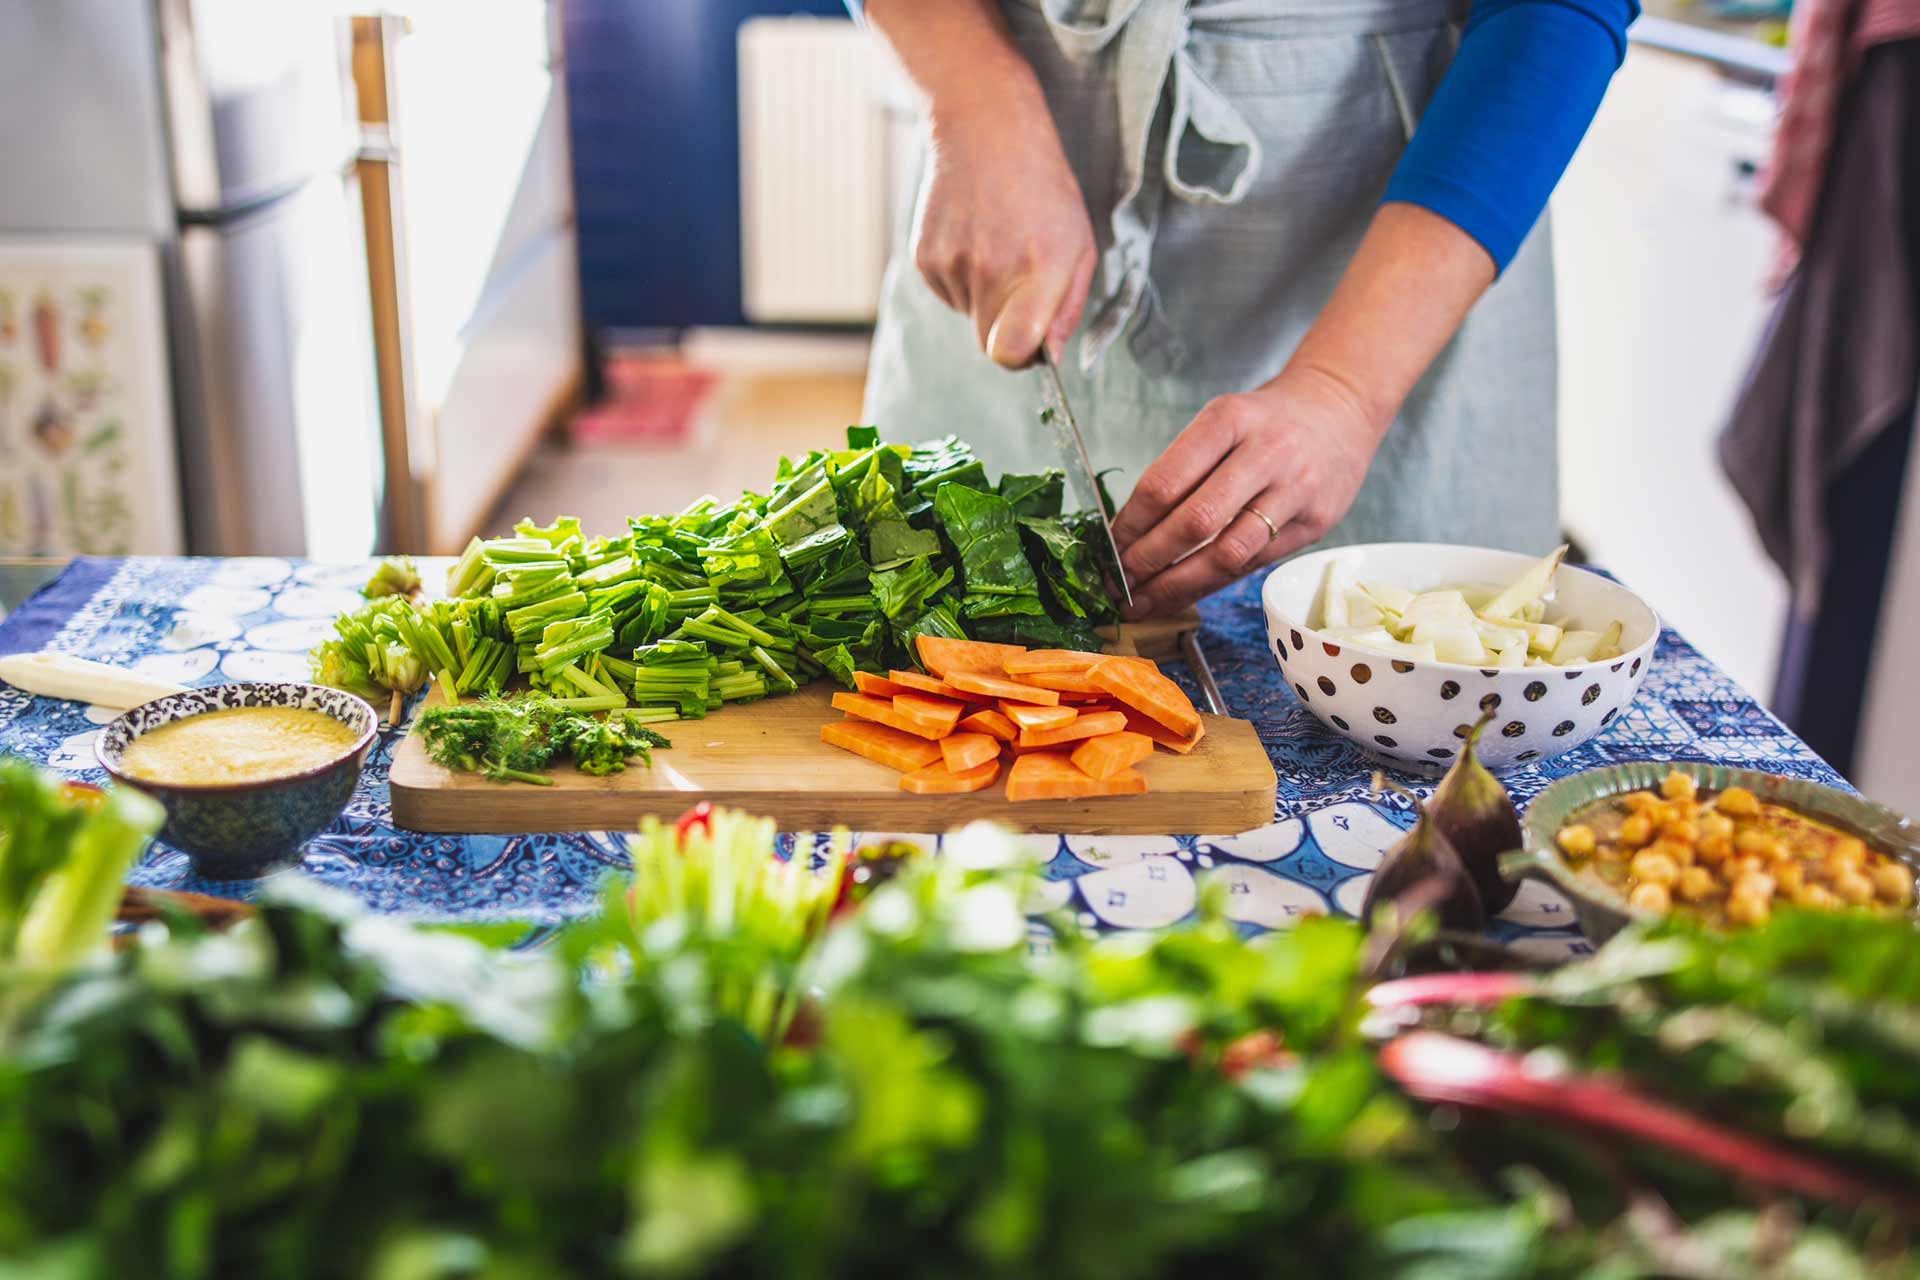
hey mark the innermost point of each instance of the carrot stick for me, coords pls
(880, 744)
(1149, 693)
(943, 656)
(1166, 737)
(1004, 689)
(1050, 775)
(937, 779)
(1104, 756)
(879, 686)
(963, 751)
(991, 723)
(936, 713)
(1031, 717)
(880, 711)
(1074, 730)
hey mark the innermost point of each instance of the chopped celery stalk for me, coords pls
(604, 702)
(774, 669)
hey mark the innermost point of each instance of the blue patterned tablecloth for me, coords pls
(205, 621)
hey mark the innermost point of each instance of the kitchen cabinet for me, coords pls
(1663, 262)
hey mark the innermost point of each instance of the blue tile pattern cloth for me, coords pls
(204, 621)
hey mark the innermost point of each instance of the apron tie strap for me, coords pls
(1206, 154)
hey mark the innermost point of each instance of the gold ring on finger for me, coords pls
(1273, 530)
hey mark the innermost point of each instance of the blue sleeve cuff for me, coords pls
(1509, 113)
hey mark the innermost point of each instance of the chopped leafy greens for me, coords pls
(848, 558)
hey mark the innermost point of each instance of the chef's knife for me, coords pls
(1072, 447)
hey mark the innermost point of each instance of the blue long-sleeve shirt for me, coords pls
(1508, 113)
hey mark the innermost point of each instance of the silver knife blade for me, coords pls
(1072, 447)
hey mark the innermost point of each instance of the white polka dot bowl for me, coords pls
(1414, 714)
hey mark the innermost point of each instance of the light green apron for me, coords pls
(1231, 153)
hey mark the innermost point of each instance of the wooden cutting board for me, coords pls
(767, 758)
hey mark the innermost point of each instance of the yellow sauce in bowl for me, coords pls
(236, 744)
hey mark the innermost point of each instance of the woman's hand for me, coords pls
(1296, 451)
(1004, 235)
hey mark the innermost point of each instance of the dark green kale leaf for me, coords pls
(1034, 496)
(994, 571)
(903, 592)
(946, 461)
(1067, 566)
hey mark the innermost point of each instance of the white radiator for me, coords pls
(814, 193)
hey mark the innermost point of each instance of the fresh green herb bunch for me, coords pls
(512, 739)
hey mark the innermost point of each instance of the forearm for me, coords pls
(1403, 297)
(958, 54)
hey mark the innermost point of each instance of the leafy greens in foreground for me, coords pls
(731, 1071)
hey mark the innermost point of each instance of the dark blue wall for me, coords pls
(656, 156)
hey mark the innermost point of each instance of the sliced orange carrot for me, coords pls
(1108, 754)
(938, 780)
(1060, 681)
(991, 723)
(1166, 737)
(943, 657)
(1002, 688)
(1082, 726)
(880, 744)
(1032, 717)
(914, 682)
(1149, 693)
(936, 713)
(880, 711)
(878, 686)
(963, 751)
(1050, 775)
(1061, 661)
(1050, 660)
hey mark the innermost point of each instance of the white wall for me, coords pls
(1662, 260)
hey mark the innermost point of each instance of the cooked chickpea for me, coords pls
(1816, 897)
(1650, 897)
(1640, 801)
(1893, 882)
(1790, 875)
(1745, 909)
(1715, 826)
(1677, 786)
(1848, 851)
(1733, 868)
(1682, 854)
(1738, 802)
(1697, 884)
(1576, 840)
(1758, 844)
(1652, 867)
(1714, 849)
(1636, 831)
(1683, 830)
(1850, 886)
(1754, 884)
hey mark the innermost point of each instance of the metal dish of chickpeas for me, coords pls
(1727, 857)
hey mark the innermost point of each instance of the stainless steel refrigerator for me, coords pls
(225, 132)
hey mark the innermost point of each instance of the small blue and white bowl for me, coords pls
(240, 830)
(1415, 714)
